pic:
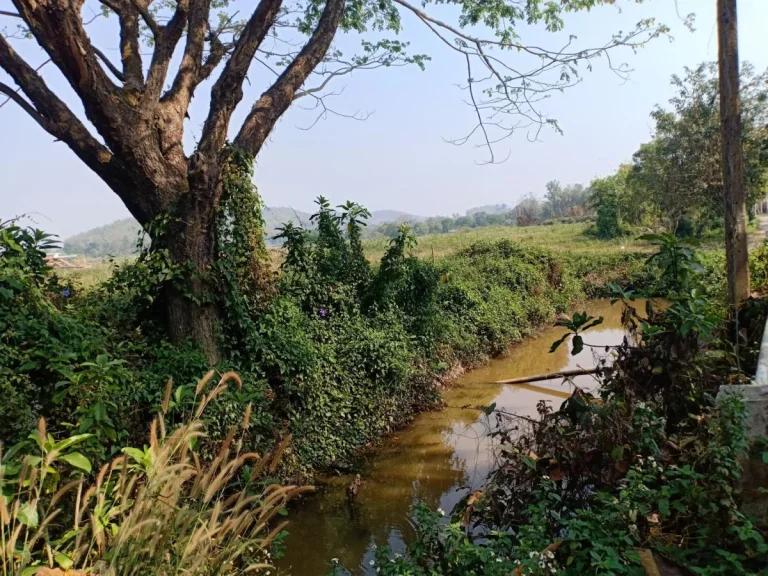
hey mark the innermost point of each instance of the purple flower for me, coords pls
(323, 313)
(66, 292)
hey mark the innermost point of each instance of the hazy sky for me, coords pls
(397, 158)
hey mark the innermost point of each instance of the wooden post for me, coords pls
(733, 164)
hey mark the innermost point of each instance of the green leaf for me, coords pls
(66, 443)
(77, 460)
(63, 561)
(28, 515)
(30, 570)
(578, 345)
(135, 454)
(27, 366)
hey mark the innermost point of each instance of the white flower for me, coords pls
(545, 477)
(499, 560)
(335, 560)
(550, 554)
(441, 512)
(372, 562)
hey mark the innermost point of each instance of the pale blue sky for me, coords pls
(397, 158)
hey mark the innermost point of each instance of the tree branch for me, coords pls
(227, 92)
(130, 49)
(276, 100)
(58, 120)
(112, 68)
(141, 6)
(57, 27)
(189, 74)
(26, 106)
(166, 39)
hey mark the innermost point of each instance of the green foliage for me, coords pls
(675, 180)
(608, 196)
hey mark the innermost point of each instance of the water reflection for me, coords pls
(438, 457)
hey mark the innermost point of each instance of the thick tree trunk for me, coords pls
(191, 309)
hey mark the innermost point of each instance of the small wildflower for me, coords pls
(66, 293)
(441, 512)
(372, 562)
(499, 560)
(335, 560)
(323, 313)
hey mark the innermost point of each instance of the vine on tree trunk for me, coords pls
(242, 276)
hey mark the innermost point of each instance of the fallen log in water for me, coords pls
(553, 375)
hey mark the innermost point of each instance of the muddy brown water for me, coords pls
(439, 457)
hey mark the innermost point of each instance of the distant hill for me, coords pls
(116, 239)
(489, 209)
(381, 216)
(119, 238)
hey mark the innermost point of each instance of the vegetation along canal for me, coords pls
(439, 457)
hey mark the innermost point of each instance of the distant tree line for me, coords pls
(560, 202)
(674, 182)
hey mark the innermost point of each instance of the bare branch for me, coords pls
(166, 39)
(130, 49)
(11, 14)
(142, 8)
(57, 27)
(190, 69)
(227, 92)
(325, 111)
(58, 120)
(510, 91)
(19, 89)
(112, 68)
(26, 106)
(276, 100)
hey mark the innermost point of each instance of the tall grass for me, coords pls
(156, 510)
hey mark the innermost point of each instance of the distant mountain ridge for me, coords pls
(119, 237)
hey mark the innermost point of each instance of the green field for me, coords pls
(557, 237)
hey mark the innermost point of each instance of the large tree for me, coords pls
(680, 171)
(168, 48)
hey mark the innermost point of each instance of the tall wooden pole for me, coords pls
(733, 163)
